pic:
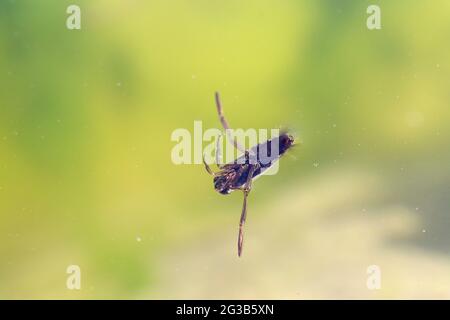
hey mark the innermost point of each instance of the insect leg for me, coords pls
(246, 190)
(207, 167)
(225, 125)
(218, 152)
(241, 224)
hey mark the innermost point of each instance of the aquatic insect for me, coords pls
(239, 174)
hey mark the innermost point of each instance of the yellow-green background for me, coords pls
(85, 168)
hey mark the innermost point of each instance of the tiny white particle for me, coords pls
(423, 231)
(138, 239)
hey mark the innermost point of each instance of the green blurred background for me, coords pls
(86, 176)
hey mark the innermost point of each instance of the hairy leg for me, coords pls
(207, 167)
(246, 189)
(225, 125)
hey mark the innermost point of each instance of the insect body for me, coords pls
(239, 174)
